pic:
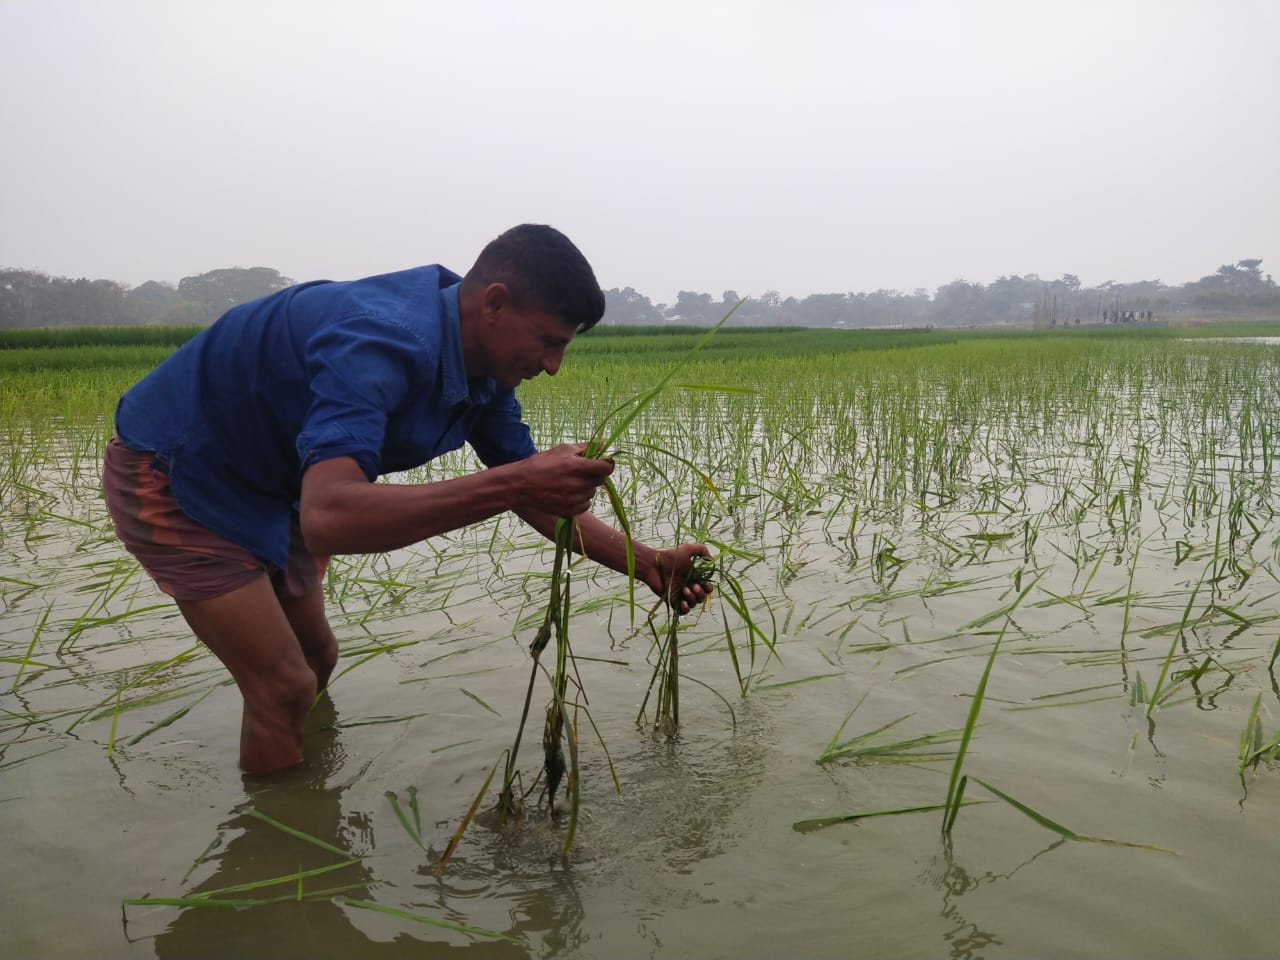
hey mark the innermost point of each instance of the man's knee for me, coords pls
(284, 694)
(275, 709)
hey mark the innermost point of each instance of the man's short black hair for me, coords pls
(543, 270)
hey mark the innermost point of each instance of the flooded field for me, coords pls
(1042, 571)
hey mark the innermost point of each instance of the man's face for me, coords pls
(525, 343)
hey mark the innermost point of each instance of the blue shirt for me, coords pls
(370, 369)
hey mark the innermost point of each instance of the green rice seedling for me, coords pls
(26, 660)
(820, 823)
(218, 898)
(412, 828)
(430, 921)
(1128, 596)
(784, 684)
(955, 787)
(1048, 700)
(1159, 693)
(379, 721)
(666, 669)
(170, 719)
(1065, 832)
(731, 594)
(1253, 748)
(100, 709)
(86, 622)
(223, 897)
(863, 748)
(558, 729)
(299, 834)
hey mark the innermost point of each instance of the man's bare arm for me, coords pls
(663, 571)
(342, 512)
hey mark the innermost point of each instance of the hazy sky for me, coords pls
(801, 146)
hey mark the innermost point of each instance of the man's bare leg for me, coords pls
(249, 631)
(319, 646)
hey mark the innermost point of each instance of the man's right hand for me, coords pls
(561, 481)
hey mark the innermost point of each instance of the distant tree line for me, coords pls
(1234, 289)
(33, 299)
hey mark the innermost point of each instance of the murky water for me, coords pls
(698, 856)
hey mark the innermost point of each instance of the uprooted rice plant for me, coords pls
(561, 730)
(1001, 583)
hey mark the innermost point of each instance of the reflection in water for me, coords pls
(542, 901)
(676, 811)
(680, 800)
(304, 800)
(965, 941)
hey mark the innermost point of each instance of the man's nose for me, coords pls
(551, 362)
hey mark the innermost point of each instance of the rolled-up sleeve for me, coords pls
(359, 369)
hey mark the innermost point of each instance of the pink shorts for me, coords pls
(189, 561)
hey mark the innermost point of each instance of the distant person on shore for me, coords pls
(248, 457)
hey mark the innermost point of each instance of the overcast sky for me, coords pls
(800, 146)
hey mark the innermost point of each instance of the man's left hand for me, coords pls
(668, 580)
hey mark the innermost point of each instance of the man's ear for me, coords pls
(494, 300)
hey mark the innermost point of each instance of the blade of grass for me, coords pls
(1064, 832)
(955, 788)
(479, 701)
(1158, 692)
(414, 830)
(820, 823)
(300, 835)
(466, 820)
(35, 638)
(430, 921)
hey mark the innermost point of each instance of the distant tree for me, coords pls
(758, 311)
(223, 289)
(1012, 299)
(150, 300)
(823, 310)
(959, 302)
(20, 295)
(32, 299)
(693, 307)
(1234, 286)
(626, 306)
(1139, 295)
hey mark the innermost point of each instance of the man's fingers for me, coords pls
(568, 481)
(599, 465)
(599, 468)
(592, 466)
